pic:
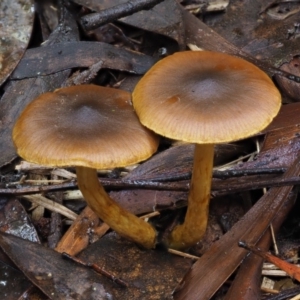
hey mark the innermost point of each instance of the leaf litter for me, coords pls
(266, 34)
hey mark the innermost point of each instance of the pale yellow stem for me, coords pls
(123, 222)
(195, 222)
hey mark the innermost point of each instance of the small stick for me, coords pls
(270, 291)
(217, 190)
(182, 254)
(292, 270)
(96, 268)
(274, 240)
(36, 181)
(221, 174)
(94, 20)
(109, 183)
(247, 172)
(150, 215)
(245, 186)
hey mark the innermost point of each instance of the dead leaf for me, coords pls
(282, 140)
(13, 282)
(176, 162)
(56, 277)
(16, 22)
(19, 93)
(77, 238)
(251, 27)
(14, 220)
(288, 116)
(58, 57)
(140, 201)
(149, 274)
(205, 37)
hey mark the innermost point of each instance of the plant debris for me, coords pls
(51, 44)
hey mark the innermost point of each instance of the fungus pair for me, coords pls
(197, 97)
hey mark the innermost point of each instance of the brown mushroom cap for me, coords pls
(87, 125)
(205, 97)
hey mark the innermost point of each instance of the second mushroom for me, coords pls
(204, 98)
(89, 127)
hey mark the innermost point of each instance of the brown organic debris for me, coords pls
(115, 57)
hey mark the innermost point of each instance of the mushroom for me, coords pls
(204, 98)
(89, 127)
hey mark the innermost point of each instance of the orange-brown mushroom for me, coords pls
(204, 98)
(89, 127)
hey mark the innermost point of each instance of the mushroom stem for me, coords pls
(194, 225)
(120, 220)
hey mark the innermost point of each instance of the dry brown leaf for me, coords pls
(16, 22)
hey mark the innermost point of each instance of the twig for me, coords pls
(286, 294)
(150, 215)
(114, 13)
(51, 205)
(269, 291)
(36, 181)
(109, 183)
(274, 182)
(183, 254)
(274, 240)
(292, 270)
(246, 172)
